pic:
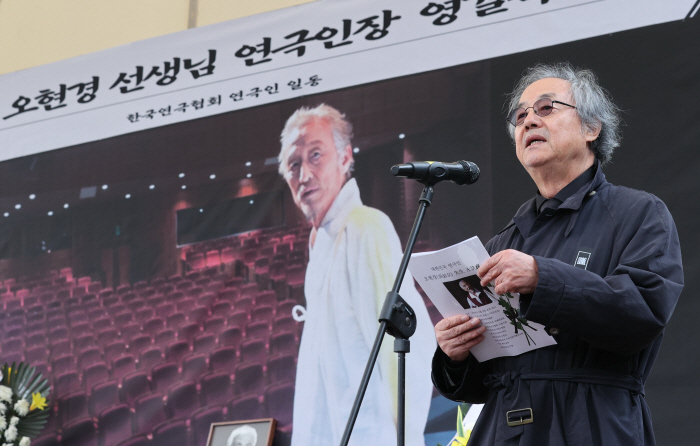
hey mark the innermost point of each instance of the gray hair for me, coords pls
(340, 126)
(243, 430)
(593, 104)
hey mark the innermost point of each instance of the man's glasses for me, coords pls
(542, 108)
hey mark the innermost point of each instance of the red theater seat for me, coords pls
(198, 314)
(222, 308)
(153, 326)
(279, 401)
(266, 298)
(164, 337)
(228, 255)
(128, 331)
(182, 401)
(223, 359)
(165, 309)
(214, 324)
(285, 307)
(80, 432)
(66, 382)
(283, 342)
(175, 351)
(229, 294)
(113, 350)
(46, 440)
(263, 313)
(231, 336)
(101, 323)
(194, 292)
(123, 318)
(248, 379)
(107, 335)
(72, 405)
(144, 314)
(150, 357)
(103, 395)
(36, 340)
(194, 366)
(136, 440)
(197, 261)
(62, 364)
(281, 368)
(188, 331)
(201, 422)
(244, 304)
(176, 320)
(134, 385)
(216, 388)
(139, 343)
(245, 408)
(123, 365)
(164, 375)
(36, 354)
(149, 413)
(204, 343)
(258, 329)
(185, 305)
(89, 356)
(114, 425)
(94, 374)
(213, 258)
(206, 299)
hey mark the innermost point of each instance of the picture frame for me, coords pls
(258, 432)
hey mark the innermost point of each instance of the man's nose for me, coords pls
(304, 173)
(532, 119)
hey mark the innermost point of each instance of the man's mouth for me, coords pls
(306, 192)
(534, 140)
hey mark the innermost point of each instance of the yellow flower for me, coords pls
(38, 402)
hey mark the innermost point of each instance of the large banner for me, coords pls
(202, 227)
(290, 53)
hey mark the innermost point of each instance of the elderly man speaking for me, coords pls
(598, 265)
(354, 253)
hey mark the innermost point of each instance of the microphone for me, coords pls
(432, 172)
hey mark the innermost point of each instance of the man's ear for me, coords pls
(347, 159)
(593, 132)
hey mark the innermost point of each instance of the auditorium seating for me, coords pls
(136, 364)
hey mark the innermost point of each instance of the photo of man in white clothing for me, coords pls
(354, 253)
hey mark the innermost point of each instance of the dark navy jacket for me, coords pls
(608, 321)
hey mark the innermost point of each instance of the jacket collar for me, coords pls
(525, 218)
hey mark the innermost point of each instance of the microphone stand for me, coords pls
(399, 320)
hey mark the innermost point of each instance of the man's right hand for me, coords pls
(456, 335)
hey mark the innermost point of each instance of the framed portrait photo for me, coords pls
(242, 433)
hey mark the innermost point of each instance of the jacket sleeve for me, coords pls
(629, 307)
(463, 381)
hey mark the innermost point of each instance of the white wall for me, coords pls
(36, 32)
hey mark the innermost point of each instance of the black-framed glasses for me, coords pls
(542, 108)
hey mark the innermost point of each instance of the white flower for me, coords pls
(3, 423)
(25, 441)
(3, 408)
(11, 433)
(22, 407)
(5, 394)
(14, 421)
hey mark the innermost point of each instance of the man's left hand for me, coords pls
(510, 271)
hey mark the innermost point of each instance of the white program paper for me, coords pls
(449, 278)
